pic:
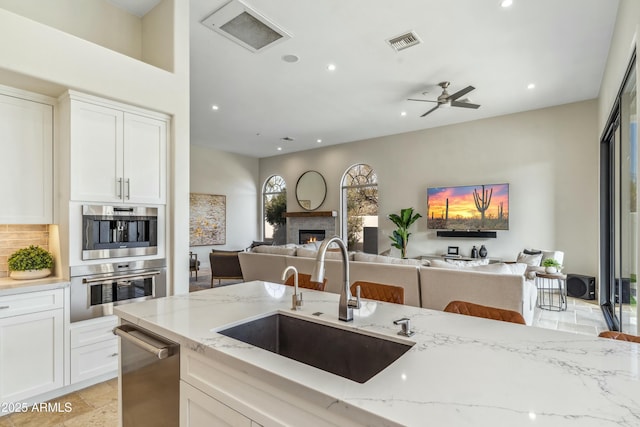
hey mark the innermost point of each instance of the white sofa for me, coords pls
(428, 287)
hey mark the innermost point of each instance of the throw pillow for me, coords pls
(532, 251)
(530, 259)
(461, 263)
(438, 263)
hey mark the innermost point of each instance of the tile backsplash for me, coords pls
(15, 236)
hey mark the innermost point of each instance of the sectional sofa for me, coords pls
(433, 287)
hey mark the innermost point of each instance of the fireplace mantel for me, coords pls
(310, 214)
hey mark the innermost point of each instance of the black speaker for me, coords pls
(579, 286)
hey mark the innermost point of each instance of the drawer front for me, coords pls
(92, 331)
(93, 360)
(31, 302)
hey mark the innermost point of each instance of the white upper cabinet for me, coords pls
(117, 155)
(26, 144)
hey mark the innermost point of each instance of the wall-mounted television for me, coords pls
(469, 207)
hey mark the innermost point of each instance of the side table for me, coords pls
(547, 292)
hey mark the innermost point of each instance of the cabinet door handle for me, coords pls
(119, 188)
(128, 189)
(4, 307)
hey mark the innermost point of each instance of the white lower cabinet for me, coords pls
(94, 348)
(198, 410)
(31, 344)
(213, 393)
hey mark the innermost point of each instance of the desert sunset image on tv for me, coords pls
(472, 207)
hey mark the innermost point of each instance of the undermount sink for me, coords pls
(351, 355)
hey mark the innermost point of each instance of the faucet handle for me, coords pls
(405, 324)
(355, 303)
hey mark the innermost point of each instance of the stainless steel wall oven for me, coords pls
(96, 289)
(118, 231)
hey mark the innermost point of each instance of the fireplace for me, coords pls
(307, 236)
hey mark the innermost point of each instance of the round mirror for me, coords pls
(311, 190)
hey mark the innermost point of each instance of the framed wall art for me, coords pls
(207, 219)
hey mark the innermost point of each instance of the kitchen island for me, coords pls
(462, 371)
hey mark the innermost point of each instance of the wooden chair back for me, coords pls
(619, 336)
(477, 310)
(379, 291)
(304, 281)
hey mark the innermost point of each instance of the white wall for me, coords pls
(43, 55)
(236, 177)
(549, 157)
(622, 45)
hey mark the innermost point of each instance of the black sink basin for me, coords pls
(351, 355)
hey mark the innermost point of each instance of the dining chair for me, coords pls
(621, 336)
(477, 310)
(304, 281)
(379, 291)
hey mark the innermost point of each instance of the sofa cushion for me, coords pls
(275, 250)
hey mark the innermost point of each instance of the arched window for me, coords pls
(274, 204)
(359, 207)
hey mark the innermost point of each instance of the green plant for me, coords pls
(31, 258)
(400, 237)
(550, 262)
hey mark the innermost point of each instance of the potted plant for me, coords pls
(33, 262)
(551, 265)
(400, 237)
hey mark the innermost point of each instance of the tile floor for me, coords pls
(95, 406)
(98, 405)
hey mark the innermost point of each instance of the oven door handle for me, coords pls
(123, 276)
(159, 352)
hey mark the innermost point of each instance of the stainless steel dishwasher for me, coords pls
(150, 378)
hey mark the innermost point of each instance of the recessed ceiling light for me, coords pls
(531, 86)
(290, 58)
(506, 3)
(279, 148)
(331, 67)
(404, 113)
(215, 107)
(318, 140)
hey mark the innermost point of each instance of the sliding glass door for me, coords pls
(619, 213)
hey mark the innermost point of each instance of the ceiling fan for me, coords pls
(446, 99)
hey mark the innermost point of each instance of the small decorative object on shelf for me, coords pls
(33, 262)
(482, 252)
(474, 252)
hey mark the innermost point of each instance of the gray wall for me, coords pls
(549, 157)
(236, 177)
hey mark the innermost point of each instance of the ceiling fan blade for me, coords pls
(421, 100)
(460, 93)
(464, 104)
(431, 111)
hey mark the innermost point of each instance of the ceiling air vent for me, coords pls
(243, 25)
(404, 41)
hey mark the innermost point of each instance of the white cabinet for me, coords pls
(199, 410)
(31, 344)
(117, 155)
(26, 144)
(94, 348)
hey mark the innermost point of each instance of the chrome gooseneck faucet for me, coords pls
(347, 302)
(296, 299)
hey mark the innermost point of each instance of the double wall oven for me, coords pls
(111, 234)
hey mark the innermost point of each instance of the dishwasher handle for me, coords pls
(161, 352)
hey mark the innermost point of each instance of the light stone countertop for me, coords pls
(9, 286)
(462, 371)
